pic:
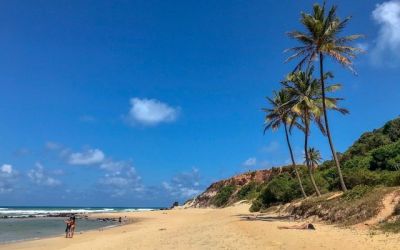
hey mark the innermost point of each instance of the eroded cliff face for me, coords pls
(206, 198)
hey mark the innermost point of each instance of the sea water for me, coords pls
(25, 223)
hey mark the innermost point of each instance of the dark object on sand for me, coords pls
(304, 226)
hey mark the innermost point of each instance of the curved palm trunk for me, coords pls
(328, 133)
(310, 172)
(294, 163)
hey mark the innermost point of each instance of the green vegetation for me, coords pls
(280, 189)
(280, 114)
(321, 40)
(304, 99)
(248, 191)
(357, 192)
(392, 226)
(359, 171)
(355, 206)
(224, 194)
(365, 172)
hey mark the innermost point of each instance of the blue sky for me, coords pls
(141, 103)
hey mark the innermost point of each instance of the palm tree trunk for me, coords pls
(294, 163)
(328, 133)
(310, 172)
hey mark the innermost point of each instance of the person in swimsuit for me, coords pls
(304, 226)
(73, 226)
(68, 228)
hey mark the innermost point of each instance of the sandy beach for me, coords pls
(227, 228)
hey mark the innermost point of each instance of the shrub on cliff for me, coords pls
(256, 206)
(282, 188)
(386, 157)
(223, 196)
(248, 191)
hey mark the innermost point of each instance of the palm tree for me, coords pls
(279, 114)
(314, 157)
(321, 39)
(306, 102)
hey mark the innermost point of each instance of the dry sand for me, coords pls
(227, 228)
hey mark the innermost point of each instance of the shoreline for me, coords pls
(206, 228)
(94, 217)
(55, 236)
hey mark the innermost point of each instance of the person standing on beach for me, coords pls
(72, 227)
(68, 228)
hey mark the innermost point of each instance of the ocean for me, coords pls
(26, 223)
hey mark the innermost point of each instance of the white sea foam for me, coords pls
(136, 209)
(25, 212)
(53, 211)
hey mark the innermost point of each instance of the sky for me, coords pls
(143, 103)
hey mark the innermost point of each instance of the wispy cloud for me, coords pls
(184, 185)
(52, 145)
(119, 183)
(386, 50)
(251, 162)
(22, 152)
(111, 165)
(7, 178)
(88, 157)
(150, 112)
(272, 147)
(39, 176)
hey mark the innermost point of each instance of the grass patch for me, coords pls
(392, 227)
(357, 192)
(352, 208)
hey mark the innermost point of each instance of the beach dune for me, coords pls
(228, 228)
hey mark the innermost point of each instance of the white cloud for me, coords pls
(111, 165)
(363, 46)
(119, 183)
(88, 157)
(8, 176)
(184, 185)
(52, 145)
(251, 162)
(151, 112)
(6, 168)
(387, 48)
(38, 176)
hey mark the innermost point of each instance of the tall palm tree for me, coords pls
(279, 114)
(306, 102)
(322, 39)
(315, 157)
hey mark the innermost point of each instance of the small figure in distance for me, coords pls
(304, 226)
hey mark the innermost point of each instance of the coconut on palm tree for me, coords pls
(306, 102)
(278, 114)
(321, 40)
